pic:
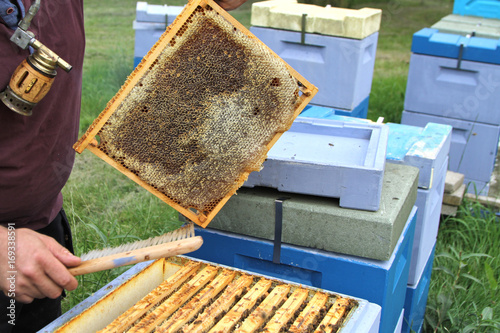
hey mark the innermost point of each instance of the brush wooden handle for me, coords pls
(139, 255)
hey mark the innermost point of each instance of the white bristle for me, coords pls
(181, 233)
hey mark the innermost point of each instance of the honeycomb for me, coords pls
(184, 295)
(199, 113)
(212, 299)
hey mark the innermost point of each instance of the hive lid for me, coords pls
(199, 113)
(432, 42)
(469, 25)
(330, 21)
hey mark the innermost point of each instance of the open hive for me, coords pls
(194, 296)
(199, 113)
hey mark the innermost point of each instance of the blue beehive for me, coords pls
(380, 282)
(416, 297)
(471, 143)
(328, 158)
(483, 8)
(427, 148)
(454, 76)
(341, 68)
(455, 80)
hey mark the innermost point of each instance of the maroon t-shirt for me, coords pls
(36, 155)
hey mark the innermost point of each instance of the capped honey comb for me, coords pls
(199, 113)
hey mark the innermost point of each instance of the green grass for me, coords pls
(464, 294)
(105, 208)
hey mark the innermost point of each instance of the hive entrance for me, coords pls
(199, 113)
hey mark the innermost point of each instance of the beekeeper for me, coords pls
(36, 159)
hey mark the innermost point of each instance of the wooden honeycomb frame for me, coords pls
(179, 294)
(275, 93)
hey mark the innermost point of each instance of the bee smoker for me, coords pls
(33, 78)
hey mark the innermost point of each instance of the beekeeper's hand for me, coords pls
(230, 4)
(37, 268)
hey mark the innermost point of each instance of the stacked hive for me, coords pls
(313, 241)
(360, 244)
(426, 149)
(327, 211)
(454, 79)
(334, 47)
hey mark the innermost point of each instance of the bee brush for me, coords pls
(177, 242)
